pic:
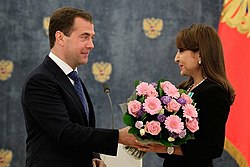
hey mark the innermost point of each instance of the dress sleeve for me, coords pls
(214, 107)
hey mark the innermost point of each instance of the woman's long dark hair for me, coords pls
(205, 40)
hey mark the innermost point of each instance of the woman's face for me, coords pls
(188, 62)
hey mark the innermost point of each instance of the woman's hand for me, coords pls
(158, 148)
(152, 147)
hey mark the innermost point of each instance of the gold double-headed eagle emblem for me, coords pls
(102, 71)
(46, 25)
(6, 68)
(5, 158)
(152, 27)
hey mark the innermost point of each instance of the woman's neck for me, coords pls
(197, 82)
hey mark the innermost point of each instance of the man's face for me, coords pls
(78, 45)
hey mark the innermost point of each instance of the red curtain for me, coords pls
(234, 30)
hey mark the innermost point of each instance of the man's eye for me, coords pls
(84, 38)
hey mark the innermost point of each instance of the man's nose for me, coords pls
(90, 44)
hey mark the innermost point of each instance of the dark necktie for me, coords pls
(78, 87)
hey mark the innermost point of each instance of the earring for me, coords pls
(199, 62)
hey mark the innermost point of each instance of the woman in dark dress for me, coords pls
(200, 56)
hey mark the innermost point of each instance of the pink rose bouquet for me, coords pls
(159, 112)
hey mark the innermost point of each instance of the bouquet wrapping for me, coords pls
(160, 113)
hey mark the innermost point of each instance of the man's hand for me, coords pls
(98, 163)
(127, 139)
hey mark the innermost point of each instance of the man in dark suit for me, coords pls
(60, 123)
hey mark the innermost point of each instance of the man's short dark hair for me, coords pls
(63, 19)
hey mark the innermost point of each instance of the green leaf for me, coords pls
(180, 142)
(160, 90)
(141, 99)
(134, 131)
(161, 80)
(136, 83)
(144, 116)
(184, 140)
(129, 119)
(132, 96)
(182, 91)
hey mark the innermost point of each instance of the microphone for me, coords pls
(106, 90)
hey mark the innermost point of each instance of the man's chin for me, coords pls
(85, 61)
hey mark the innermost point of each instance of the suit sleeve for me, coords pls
(46, 104)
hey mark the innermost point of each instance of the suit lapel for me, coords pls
(66, 84)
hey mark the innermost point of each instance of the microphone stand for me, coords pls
(107, 92)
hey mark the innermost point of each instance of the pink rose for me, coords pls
(192, 125)
(173, 105)
(153, 127)
(134, 107)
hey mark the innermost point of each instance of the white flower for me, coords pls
(139, 124)
(183, 134)
(142, 132)
(161, 111)
(171, 139)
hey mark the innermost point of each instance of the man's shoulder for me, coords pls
(39, 73)
(46, 67)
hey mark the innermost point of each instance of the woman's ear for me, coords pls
(199, 58)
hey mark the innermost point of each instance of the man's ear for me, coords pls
(59, 38)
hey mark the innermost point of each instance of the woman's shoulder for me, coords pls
(211, 90)
(211, 87)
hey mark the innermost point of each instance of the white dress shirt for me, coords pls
(64, 66)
